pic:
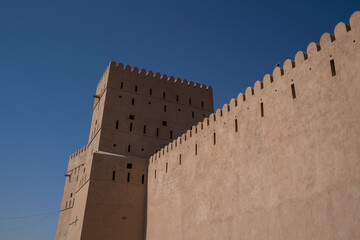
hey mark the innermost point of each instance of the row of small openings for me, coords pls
(236, 127)
(163, 96)
(167, 166)
(77, 177)
(293, 93)
(66, 204)
(164, 123)
(261, 106)
(158, 132)
(131, 117)
(165, 107)
(129, 148)
(128, 177)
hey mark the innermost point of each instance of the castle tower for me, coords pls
(135, 113)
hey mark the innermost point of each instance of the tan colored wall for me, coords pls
(125, 84)
(107, 209)
(76, 183)
(292, 173)
(115, 209)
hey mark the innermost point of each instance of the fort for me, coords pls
(281, 161)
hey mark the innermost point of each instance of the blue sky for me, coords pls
(53, 53)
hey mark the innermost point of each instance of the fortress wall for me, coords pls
(122, 186)
(75, 194)
(176, 114)
(120, 142)
(144, 111)
(279, 162)
(127, 79)
(99, 104)
(74, 182)
(102, 84)
(117, 127)
(75, 191)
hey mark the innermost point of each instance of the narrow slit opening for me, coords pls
(130, 127)
(117, 124)
(143, 179)
(214, 138)
(293, 91)
(113, 176)
(236, 125)
(332, 65)
(144, 129)
(262, 109)
(128, 177)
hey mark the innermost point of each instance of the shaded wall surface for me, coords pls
(115, 207)
(135, 113)
(281, 161)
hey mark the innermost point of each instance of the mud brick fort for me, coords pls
(281, 161)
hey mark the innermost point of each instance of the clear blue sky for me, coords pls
(53, 53)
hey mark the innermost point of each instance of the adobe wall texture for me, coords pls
(280, 162)
(145, 111)
(115, 207)
(135, 113)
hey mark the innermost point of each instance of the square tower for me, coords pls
(135, 113)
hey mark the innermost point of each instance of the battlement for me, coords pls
(272, 158)
(150, 75)
(133, 104)
(79, 152)
(130, 73)
(255, 93)
(262, 166)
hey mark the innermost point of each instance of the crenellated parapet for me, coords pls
(289, 67)
(151, 76)
(79, 152)
(285, 149)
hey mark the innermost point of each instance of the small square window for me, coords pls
(132, 117)
(164, 123)
(129, 166)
